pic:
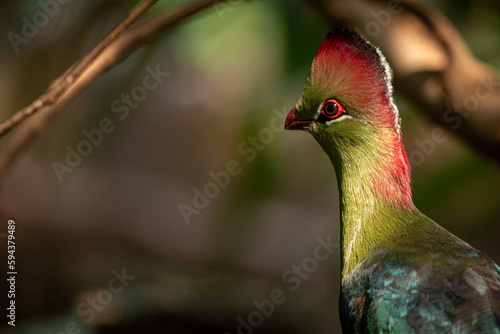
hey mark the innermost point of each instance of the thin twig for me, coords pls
(67, 79)
(124, 46)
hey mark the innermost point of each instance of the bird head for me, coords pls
(347, 106)
(348, 94)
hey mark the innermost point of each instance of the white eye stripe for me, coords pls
(318, 112)
(338, 119)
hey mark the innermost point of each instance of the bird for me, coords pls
(400, 271)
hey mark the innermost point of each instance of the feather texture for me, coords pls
(401, 272)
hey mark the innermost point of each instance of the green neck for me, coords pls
(374, 206)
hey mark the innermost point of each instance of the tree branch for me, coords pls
(106, 55)
(432, 65)
(62, 84)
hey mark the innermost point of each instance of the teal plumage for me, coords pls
(401, 272)
(455, 290)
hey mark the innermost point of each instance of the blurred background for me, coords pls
(121, 226)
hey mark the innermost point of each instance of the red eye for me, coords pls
(332, 109)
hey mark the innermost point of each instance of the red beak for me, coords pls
(292, 123)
